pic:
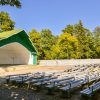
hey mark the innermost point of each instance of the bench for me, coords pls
(57, 82)
(72, 85)
(18, 78)
(44, 80)
(89, 91)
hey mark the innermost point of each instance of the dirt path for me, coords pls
(22, 69)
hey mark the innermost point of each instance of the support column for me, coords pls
(35, 59)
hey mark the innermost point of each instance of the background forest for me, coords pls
(74, 42)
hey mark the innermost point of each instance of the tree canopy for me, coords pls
(43, 41)
(75, 41)
(16, 3)
(6, 23)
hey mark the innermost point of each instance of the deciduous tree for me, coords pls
(6, 23)
(16, 3)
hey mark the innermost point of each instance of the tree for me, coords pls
(16, 3)
(85, 39)
(96, 34)
(76, 41)
(69, 29)
(55, 51)
(6, 23)
(79, 31)
(43, 41)
(47, 41)
(83, 35)
(36, 39)
(66, 47)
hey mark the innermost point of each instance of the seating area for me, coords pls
(86, 78)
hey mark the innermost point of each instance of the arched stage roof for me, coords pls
(11, 39)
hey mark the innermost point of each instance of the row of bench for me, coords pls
(64, 81)
(64, 84)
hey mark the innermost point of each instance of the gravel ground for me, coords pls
(15, 93)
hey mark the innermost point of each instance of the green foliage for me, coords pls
(43, 41)
(36, 39)
(16, 3)
(96, 34)
(76, 41)
(80, 33)
(69, 29)
(69, 46)
(6, 24)
(85, 39)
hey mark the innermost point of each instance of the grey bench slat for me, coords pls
(59, 82)
(44, 81)
(72, 85)
(89, 90)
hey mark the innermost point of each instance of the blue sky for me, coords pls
(54, 14)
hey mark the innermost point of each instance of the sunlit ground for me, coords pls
(12, 92)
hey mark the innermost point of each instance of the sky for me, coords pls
(54, 14)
